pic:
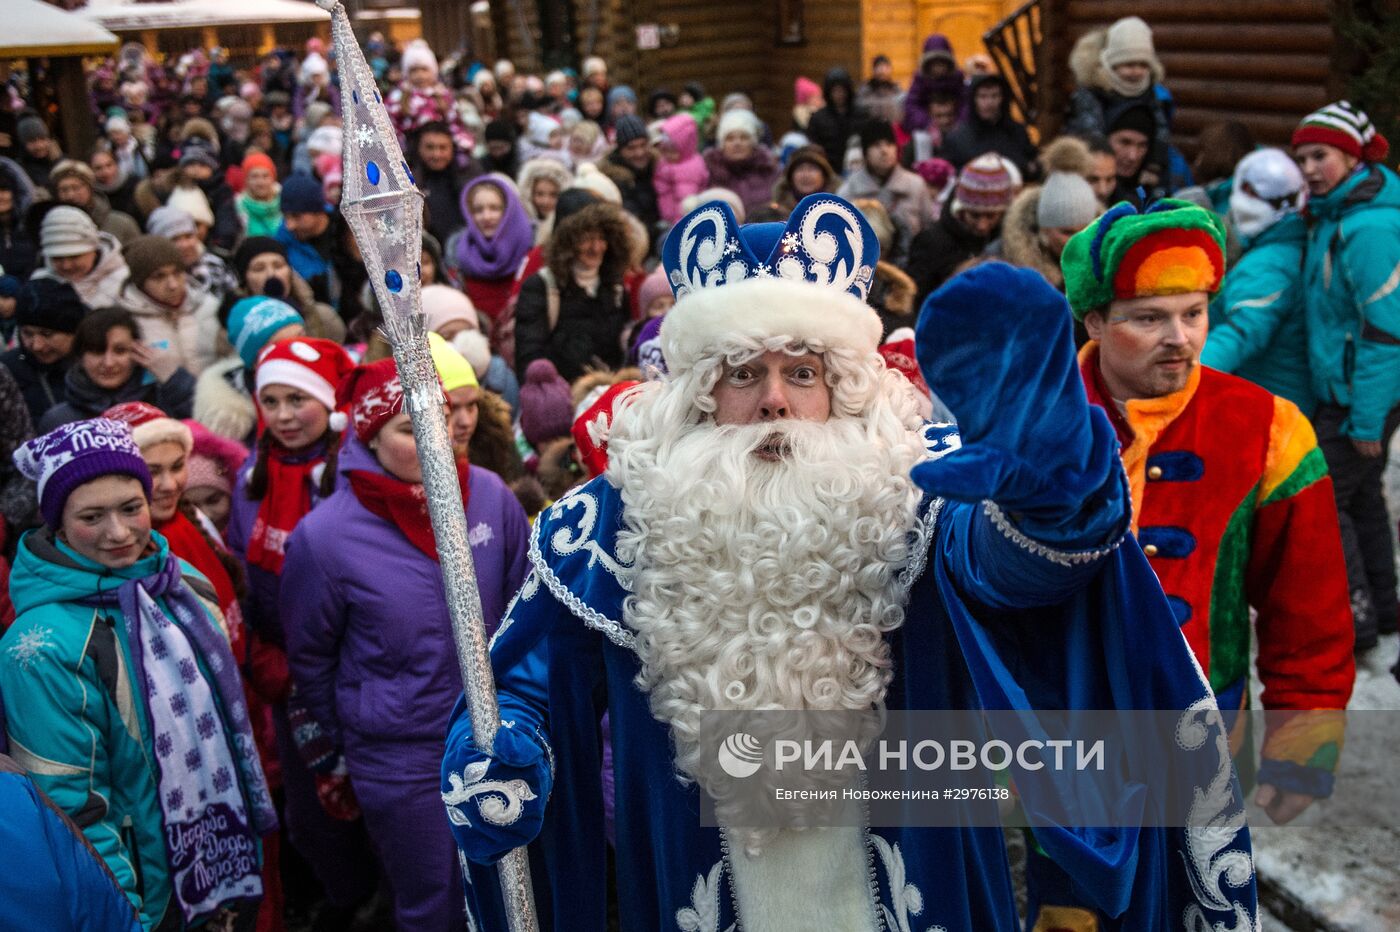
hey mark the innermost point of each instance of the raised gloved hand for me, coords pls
(495, 801)
(996, 345)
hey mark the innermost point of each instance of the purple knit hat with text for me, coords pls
(77, 453)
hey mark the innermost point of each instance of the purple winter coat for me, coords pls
(752, 179)
(371, 650)
(922, 89)
(260, 609)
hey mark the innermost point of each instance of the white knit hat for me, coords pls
(418, 54)
(591, 178)
(741, 121)
(1129, 40)
(68, 231)
(1066, 203)
(193, 202)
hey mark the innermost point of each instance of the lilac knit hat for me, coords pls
(77, 453)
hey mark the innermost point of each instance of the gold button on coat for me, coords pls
(1150, 550)
(1155, 472)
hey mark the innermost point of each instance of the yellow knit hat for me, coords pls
(452, 367)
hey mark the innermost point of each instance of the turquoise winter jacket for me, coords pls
(1258, 329)
(1351, 279)
(76, 721)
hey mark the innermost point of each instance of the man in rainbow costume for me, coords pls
(776, 529)
(1231, 499)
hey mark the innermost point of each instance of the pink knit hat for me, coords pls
(653, 286)
(214, 462)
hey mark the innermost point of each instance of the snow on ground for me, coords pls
(1345, 875)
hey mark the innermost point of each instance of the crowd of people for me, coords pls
(226, 653)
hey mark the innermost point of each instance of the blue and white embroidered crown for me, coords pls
(826, 241)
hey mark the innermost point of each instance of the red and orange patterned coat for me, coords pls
(1233, 506)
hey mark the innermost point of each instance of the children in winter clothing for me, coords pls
(291, 470)
(372, 652)
(106, 346)
(681, 171)
(423, 98)
(119, 685)
(1117, 70)
(166, 445)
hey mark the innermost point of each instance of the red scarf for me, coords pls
(403, 504)
(287, 501)
(189, 544)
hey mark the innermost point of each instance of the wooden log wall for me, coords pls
(1265, 63)
(726, 48)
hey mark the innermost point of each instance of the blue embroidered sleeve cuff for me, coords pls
(495, 803)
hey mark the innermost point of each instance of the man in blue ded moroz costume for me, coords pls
(777, 529)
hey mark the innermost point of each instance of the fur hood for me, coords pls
(534, 170)
(1020, 238)
(897, 289)
(221, 404)
(1086, 63)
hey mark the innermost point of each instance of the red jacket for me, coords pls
(1234, 508)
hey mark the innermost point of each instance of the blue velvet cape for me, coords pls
(996, 620)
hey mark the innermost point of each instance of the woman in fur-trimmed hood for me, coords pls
(1117, 69)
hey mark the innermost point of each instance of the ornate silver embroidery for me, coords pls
(564, 543)
(827, 242)
(502, 802)
(1059, 557)
(702, 915)
(1213, 824)
(701, 255)
(570, 544)
(907, 899)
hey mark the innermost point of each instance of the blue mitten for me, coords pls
(996, 345)
(495, 802)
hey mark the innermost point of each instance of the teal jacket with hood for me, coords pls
(1257, 325)
(1352, 289)
(75, 719)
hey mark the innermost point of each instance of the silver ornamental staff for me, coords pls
(385, 212)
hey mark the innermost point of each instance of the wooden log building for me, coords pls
(1263, 62)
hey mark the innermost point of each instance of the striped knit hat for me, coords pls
(984, 184)
(1343, 126)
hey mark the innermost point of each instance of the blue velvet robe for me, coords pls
(996, 620)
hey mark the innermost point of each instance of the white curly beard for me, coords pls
(765, 585)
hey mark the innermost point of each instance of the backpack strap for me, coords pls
(551, 297)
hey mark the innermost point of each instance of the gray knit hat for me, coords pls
(170, 222)
(1066, 202)
(32, 127)
(68, 231)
